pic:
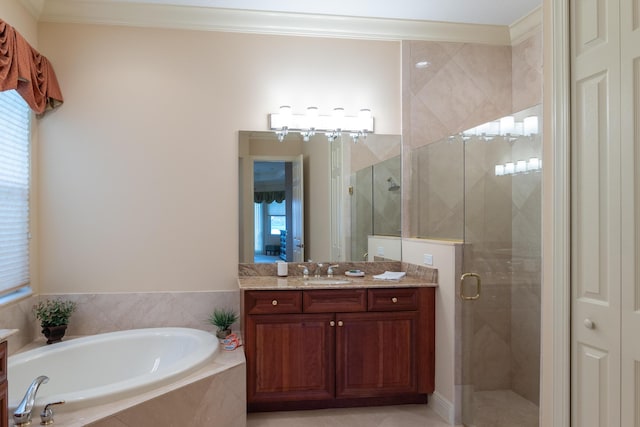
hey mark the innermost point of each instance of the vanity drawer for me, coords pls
(393, 299)
(334, 300)
(273, 302)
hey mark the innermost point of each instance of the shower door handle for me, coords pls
(465, 297)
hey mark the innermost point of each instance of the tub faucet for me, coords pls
(22, 415)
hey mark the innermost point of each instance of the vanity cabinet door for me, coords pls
(376, 354)
(290, 357)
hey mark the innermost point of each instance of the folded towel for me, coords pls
(390, 275)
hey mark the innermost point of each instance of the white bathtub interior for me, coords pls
(97, 369)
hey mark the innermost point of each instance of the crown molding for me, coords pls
(526, 26)
(230, 20)
(34, 7)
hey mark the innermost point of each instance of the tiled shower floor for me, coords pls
(504, 408)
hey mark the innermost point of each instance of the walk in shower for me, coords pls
(483, 187)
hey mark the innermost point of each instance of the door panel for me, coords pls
(595, 220)
(292, 358)
(375, 354)
(593, 385)
(297, 208)
(499, 293)
(630, 190)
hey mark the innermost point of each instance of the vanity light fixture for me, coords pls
(307, 125)
(519, 167)
(506, 127)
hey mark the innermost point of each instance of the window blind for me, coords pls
(15, 117)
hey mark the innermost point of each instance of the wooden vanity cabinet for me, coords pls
(4, 391)
(338, 347)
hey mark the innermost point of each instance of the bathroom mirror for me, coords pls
(349, 198)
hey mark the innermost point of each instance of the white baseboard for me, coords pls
(442, 407)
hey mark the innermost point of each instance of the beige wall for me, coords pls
(14, 14)
(446, 258)
(139, 170)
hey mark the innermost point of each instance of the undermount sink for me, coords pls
(327, 282)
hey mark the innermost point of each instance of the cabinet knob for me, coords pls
(394, 300)
(588, 323)
(332, 323)
(340, 323)
(274, 302)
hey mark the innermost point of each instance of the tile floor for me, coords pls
(377, 416)
(500, 408)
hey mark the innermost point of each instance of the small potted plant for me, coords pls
(53, 315)
(223, 318)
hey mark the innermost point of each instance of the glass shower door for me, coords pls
(499, 293)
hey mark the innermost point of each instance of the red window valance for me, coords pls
(23, 68)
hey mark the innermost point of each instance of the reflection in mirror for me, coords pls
(497, 166)
(375, 216)
(349, 194)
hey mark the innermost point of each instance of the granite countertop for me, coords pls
(297, 282)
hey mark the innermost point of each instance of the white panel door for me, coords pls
(595, 220)
(336, 197)
(297, 209)
(630, 186)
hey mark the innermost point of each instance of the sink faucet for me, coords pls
(318, 271)
(22, 415)
(330, 270)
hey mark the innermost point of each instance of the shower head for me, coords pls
(393, 186)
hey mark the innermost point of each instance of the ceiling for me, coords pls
(491, 12)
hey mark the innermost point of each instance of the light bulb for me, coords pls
(531, 125)
(507, 125)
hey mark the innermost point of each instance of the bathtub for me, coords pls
(102, 368)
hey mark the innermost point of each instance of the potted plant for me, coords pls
(53, 315)
(223, 318)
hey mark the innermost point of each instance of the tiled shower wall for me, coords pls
(464, 86)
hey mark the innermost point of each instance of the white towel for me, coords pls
(390, 275)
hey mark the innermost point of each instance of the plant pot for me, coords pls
(223, 333)
(54, 333)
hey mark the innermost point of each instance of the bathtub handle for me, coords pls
(46, 416)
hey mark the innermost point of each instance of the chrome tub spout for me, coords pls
(22, 415)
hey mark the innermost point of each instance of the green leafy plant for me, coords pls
(54, 312)
(223, 318)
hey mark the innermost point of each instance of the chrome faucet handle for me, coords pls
(330, 270)
(318, 272)
(305, 272)
(46, 416)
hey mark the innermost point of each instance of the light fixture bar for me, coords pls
(311, 123)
